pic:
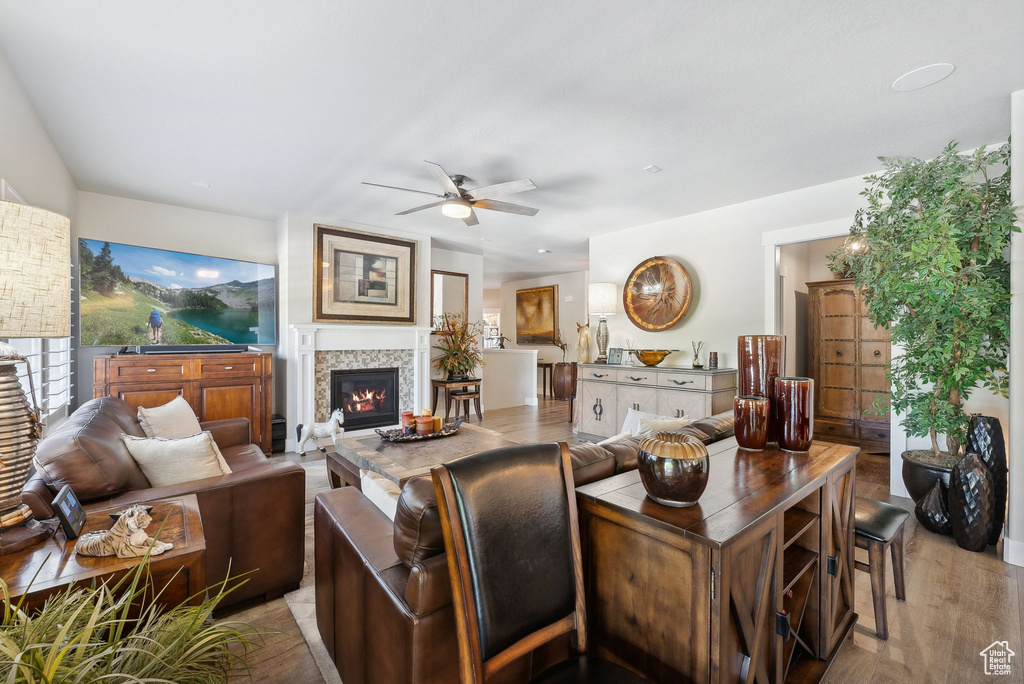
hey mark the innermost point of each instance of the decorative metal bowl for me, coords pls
(651, 357)
(673, 468)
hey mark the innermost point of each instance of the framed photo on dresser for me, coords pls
(363, 277)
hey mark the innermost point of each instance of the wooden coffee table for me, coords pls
(180, 572)
(398, 461)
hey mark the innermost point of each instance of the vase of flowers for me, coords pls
(459, 346)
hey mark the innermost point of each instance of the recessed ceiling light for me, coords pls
(543, 251)
(200, 184)
(922, 77)
(652, 169)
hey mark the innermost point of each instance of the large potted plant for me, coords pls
(927, 253)
(458, 346)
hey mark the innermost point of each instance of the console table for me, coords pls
(754, 583)
(217, 386)
(607, 392)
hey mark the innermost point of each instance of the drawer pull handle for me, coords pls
(839, 353)
(151, 370)
(877, 353)
(636, 379)
(598, 410)
(600, 375)
(636, 406)
(680, 413)
(228, 367)
(680, 382)
(831, 427)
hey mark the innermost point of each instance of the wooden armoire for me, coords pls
(848, 356)
(217, 386)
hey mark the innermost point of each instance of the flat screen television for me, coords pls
(133, 295)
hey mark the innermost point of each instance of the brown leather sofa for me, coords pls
(253, 518)
(383, 594)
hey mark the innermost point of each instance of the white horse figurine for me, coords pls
(332, 428)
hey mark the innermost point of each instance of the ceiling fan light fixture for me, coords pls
(456, 208)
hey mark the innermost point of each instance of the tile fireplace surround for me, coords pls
(321, 348)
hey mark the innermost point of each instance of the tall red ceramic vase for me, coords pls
(794, 413)
(761, 359)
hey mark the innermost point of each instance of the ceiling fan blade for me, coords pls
(442, 177)
(506, 207)
(502, 189)
(395, 187)
(472, 219)
(425, 206)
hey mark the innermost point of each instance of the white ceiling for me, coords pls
(289, 105)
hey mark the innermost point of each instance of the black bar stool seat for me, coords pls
(878, 526)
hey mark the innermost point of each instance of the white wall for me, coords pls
(149, 224)
(793, 270)
(492, 299)
(571, 287)
(817, 263)
(722, 251)
(28, 159)
(294, 244)
(1013, 546)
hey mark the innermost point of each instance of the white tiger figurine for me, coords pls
(126, 539)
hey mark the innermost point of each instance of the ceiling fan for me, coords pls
(457, 202)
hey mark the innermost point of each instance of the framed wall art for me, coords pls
(657, 293)
(537, 315)
(363, 278)
(615, 356)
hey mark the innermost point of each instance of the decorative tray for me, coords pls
(396, 435)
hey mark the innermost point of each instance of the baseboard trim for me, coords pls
(1013, 551)
(531, 401)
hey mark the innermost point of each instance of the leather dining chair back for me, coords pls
(510, 526)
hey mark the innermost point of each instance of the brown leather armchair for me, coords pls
(383, 593)
(253, 518)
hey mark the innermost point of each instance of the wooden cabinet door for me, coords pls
(220, 399)
(839, 548)
(639, 398)
(747, 638)
(598, 411)
(151, 394)
(693, 405)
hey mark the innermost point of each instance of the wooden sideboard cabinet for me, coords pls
(217, 386)
(848, 360)
(606, 393)
(754, 583)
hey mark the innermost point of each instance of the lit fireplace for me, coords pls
(369, 397)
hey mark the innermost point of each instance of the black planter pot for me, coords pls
(971, 503)
(921, 477)
(985, 438)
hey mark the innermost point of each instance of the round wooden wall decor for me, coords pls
(657, 293)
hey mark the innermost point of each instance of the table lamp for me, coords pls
(35, 301)
(602, 305)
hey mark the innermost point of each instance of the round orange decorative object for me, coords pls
(657, 293)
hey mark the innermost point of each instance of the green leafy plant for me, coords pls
(117, 632)
(931, 269)
(458, 344)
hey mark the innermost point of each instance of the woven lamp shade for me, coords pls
(35, 272)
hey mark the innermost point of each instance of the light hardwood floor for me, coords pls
(957, 602)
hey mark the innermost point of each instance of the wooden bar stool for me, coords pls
(878, 526)
(464, 397)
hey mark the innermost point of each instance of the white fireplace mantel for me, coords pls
(310, 338)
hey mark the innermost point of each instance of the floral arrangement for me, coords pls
(458, 344)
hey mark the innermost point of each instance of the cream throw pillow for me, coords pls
(381, 491)
(173, 420)
(648, 426)
(171, 461)
(617, 438)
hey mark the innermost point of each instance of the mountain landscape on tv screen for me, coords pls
(136, 295)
